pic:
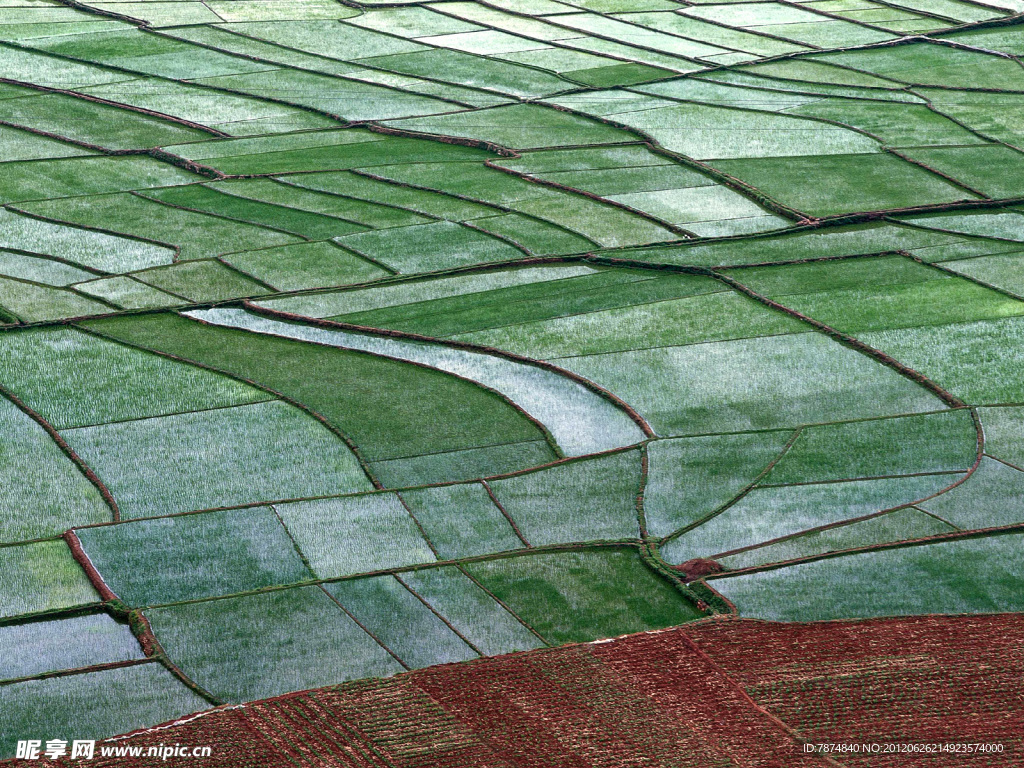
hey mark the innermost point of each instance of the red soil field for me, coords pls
(720, 693)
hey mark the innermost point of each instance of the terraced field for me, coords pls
(339, 340)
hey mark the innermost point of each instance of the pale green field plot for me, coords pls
(583, 500)
(476, 615)
(1003, 271)
(967, 576)
(691, 477)
(33, 303)
(763, 383)
(22, 145)
(355, 534)
(1004, 433)
(81, 641)
(97, 250)
(233, 114)
(42, 577)
(126, 293)
(40, 270)
(903, 524)
(645, 326)
(94, 705)
(110, 381)
(351, 302)
(993, 496)
(196, 235)
(45, 492)
(770, 513)
(401, 621)
(217, 458)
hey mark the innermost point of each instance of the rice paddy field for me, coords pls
(380, 362)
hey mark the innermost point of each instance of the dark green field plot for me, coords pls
(391, 410)
(429, 247)
(929, 63)
(303, 639)
(827, 185)
(584, 595)
(689, 478)
(305, 265)
(321, 151)
(110, 382)
(887, 295)
(995, 171)
(170, 559)
(310, 225)
(935, 442)
(461, 520)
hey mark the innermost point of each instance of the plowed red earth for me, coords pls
(723, 693)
